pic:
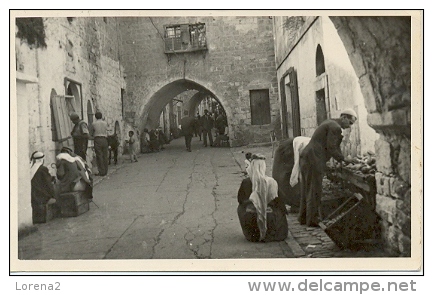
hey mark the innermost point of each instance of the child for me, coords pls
(131, 143)
(247, 161)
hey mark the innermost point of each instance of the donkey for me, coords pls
(113, 145)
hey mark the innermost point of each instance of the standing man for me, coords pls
(187, 124)
(208, 124)
(100, 133)
(324, 144)
(199, 125)
(80, 135)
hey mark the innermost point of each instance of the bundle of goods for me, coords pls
(360, 165)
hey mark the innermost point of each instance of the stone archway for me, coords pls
(379, 49)
(151, 111)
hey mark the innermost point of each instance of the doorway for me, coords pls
(321, 113)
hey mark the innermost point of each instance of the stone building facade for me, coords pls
(119, 66)
(310, 53)
(377, 85)
(238, 60)
(79, 65)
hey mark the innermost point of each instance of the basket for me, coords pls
(351, 223)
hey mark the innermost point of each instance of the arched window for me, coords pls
(73, 97)
(320, 61)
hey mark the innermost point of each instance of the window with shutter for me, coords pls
(60, 116)
(260, 107)
(185, 38)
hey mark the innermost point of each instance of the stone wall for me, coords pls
(297, 41)
(240, 58)
(84, 50)
(380, 51)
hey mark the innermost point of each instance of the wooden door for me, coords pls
(294, 94)
(284, 111)
(62, 121)
(321, 113)
(260, 107)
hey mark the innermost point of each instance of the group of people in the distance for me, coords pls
(297, 174)
(153, 140)
(203, 126)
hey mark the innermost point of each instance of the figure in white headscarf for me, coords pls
(261, 213)
(73, 173)
(42, 188)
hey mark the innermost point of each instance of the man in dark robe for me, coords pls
(281, 170)
(42, 188)
(324, 144)
(208, 124)
(188, 125)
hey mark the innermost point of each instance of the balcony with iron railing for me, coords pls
(185, 38)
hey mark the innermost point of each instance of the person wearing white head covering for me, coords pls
(42, 188)
(73, 173)
(261, 213)
(324, 144)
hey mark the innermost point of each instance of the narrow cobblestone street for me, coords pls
(172, 205)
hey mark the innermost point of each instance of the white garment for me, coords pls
(35, 166)
(299, 143)
(265, 189)
(69, 158)
(247, 165)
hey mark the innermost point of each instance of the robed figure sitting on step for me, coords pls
(73, 173)
(42, 186)
(262, 214)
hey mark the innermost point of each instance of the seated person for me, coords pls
(261, 213)
(42, 188)
(73, 173)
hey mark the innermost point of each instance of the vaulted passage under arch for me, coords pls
(153, 109)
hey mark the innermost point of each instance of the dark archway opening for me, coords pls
(320, 61)
(168, 103)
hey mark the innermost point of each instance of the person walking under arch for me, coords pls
(188, 125)
(208, 124)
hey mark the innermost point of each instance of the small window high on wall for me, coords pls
(320, 61)
(260, 107)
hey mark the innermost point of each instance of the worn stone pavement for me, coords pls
(173, 205)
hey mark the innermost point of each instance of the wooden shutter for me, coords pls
(296, 115)
(184, 33)
(260, 107)
(61, 120)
